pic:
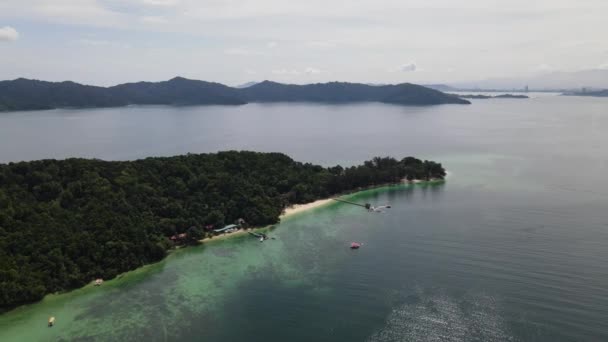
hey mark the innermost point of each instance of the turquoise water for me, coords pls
(513, 247)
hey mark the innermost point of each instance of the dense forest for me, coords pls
(24, 94)
(342, 92)
(66, 222)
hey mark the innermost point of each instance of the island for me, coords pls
(593, 93)
(25, 94)
(66, 223)
(485, 97)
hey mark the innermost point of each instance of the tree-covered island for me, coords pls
(66, 222)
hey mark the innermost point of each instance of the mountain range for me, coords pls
(26, 94)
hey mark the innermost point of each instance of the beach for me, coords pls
(298, 208)
(290, 211)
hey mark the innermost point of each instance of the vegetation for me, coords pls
(23, 94)
(64, 223)
(340, 92)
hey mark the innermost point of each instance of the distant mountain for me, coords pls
(177, 91)
(598, 93)
(559, 80)
(340, 92)
(246, 85)
(24, 94)
(486, 97)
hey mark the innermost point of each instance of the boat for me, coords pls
(262, 236)
(51, 321)
(355, 245)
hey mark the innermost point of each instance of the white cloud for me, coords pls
(8, 33)
(311, 70)
(543, 67)
(295, 72)
(100, 43)
(321, 44)
(167, 3)
(286, 72)
(603, 66)
(241, 52)
(93, 42)
(153, 19)
(356, 42)
(408, 67)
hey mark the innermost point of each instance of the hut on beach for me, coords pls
(228, 229)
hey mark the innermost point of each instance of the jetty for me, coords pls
(369, 207)
(366, 205)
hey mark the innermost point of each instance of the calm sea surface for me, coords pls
(513, 247)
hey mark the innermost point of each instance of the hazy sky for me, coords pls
(234, 41)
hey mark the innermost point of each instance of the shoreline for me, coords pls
(287, 213)
(301, 208)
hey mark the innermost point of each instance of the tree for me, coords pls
(194, 234)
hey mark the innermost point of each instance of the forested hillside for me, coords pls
(343, 92)
(24, 94)
(66, 222)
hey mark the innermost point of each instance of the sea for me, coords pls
(513, 246)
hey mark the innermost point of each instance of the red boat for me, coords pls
(355, 245)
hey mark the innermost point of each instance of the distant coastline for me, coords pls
(594, 93)
(24, 94)
(485, 97)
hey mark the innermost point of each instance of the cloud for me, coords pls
(603, 66)
(241, 52)
(544, 68)
(101, 43)
(321, 44)
(409, 67)
(286, 72)
(8, 33)
(311, 70)
(295, 72)
(272, 45)
(154, 20)
(166, 3)
(93, 42)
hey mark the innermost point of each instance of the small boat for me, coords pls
(255, 234)
(98, 282)
(51, 321)
(355, 245)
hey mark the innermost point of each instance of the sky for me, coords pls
(106, 42)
